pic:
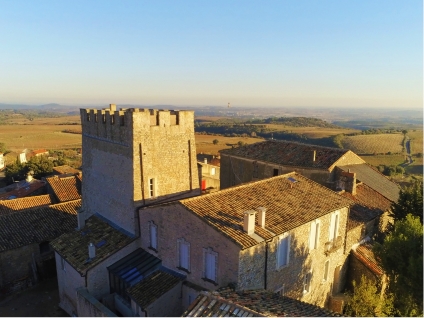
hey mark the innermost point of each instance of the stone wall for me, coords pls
(124, 150)
(236, 170)
(168, 305)
(175, 222)
(289, 279)
(252, 268)
(88, 306)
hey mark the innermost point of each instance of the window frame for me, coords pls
(285, 236)
(212, 253)
(326, 270)
(63, 264)
(334, 226)
(314, 234)
(213, 171)
(152, 226)
(307, 281)
(152, 188)
(180, 243)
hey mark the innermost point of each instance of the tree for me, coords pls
(365, 301)
(410, 201)
(40, 165)
(401, 256)
(215, 141)
(14, 172)
(2, 147)
(404, 131)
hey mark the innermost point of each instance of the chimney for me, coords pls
(29, 177)
(91, 251)
(314, 154)
(80, 219)
(261, 216)
(112, 107)
(350, 181)
(205, 160)
(249, 222)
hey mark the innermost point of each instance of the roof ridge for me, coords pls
(242, 185)
(63, 203)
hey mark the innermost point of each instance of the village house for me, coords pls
(209, 170)
(64, 188)
(27, 226)
(284, 234)
(321, 164)
(65, 170)
(23, 188)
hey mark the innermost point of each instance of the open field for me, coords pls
(312, 132)
(204, 143)
(370, 144)
(416, 138)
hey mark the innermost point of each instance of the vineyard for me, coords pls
(374, 144)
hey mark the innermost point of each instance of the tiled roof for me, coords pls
(65, 189)
(23, 189)
(374, 179)
(9, 206)
(37, 225)
(73, 246)
(291, 200)
(368, 205)
(39, 151)
(226, 302)
(152, 287)
(288, 153)
(365, 254)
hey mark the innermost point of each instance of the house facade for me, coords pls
(284, 234)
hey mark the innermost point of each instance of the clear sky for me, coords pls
(339, 53)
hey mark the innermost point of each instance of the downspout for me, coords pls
(266, 265)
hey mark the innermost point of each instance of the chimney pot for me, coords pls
(249, 222)
(91, 251)
(261, 216)
(112, 107)
(314, 156)
(205, 160)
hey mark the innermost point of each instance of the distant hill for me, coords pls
(52, 107)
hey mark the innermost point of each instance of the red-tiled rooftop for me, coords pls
(65, 169)
(23, 189)
(369, 204)
(288, 153)
(365, 255)
(65, 188)
(291, 200)
(10, 206)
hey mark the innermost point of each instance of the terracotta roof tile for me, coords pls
(23, 189)
(73, 246)
(37, 224)
(289, 153)
(65, 189)
(289, 204)
(10, 206)
(226, 302)
(375, 180)
(152, 287)
(369, 204)
(365, 254)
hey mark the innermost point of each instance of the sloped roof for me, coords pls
(365, 255)
(291, 200)
(369, 204)
(288, 153)
(10, 206)
(374, 179)
(73, 246)
(22, 189)
(65, 169)
(37, 224)
(66, 188)
(254, 303)
(153, 287)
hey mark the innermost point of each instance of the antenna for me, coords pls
(229, 104)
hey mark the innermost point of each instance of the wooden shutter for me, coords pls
(283, 251)
(184, 255)
(317, 232)
(312, 233)
(336, 225)
(210, 266)
(332, 222)
(153, 236)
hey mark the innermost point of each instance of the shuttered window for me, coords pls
(314, 234)
(307, 283)
(210, 264)
(334, 226)
(326, 270)
(183, 254)
(283, 251)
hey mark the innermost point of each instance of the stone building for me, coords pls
(132, 158)
(284, 234)
(272, 158)
(209, 170)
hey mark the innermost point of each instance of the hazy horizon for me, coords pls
(326, 54)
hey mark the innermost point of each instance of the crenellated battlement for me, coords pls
(121, 125)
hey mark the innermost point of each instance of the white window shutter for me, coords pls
(332, 221)
(312, 232)
(153, 236)
(184, 255)
(317, 233)
(210, 266)
(283, 251)
(288, 250)
(336, 225)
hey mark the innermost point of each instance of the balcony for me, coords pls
(332, 246)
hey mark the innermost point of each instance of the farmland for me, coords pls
(374, 144)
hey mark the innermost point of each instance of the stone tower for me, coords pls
(135, 157)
